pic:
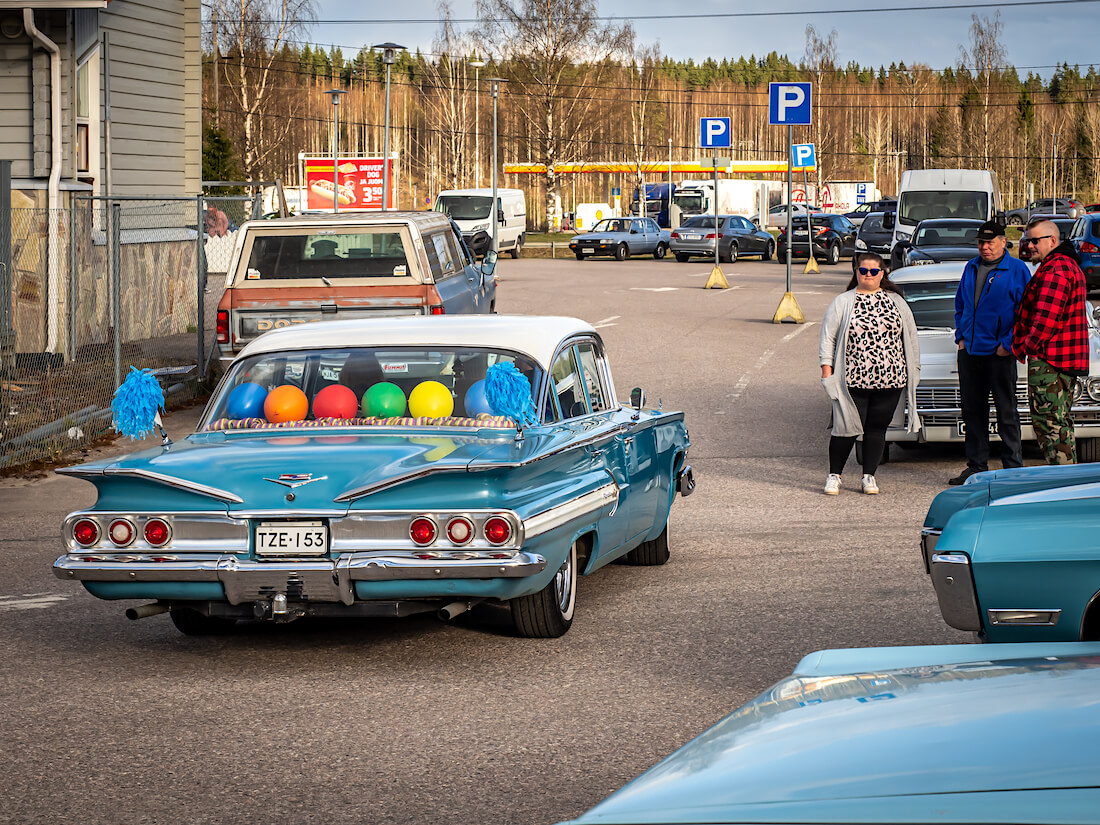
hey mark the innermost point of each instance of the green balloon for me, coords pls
(384, 400)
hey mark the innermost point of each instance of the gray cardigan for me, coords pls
(834, 343)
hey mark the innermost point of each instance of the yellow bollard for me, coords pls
(789, 308)
(717, 280)
(811, 266)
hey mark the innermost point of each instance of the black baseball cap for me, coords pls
(990, 230)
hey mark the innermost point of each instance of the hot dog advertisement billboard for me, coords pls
(360, 183)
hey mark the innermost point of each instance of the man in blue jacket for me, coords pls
(985, 310)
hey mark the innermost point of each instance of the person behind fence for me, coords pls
(869, 355)
(985, 311)
(215, 222)
(1051, 332)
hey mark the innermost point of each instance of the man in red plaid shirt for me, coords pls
(1052, 334)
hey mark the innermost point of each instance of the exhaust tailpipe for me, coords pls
(145, 611)
(449, 611)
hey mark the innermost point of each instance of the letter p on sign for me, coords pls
(714, 132)
(789, 104)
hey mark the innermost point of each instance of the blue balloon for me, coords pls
(246, 401)
(475, 400)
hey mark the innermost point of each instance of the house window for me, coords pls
(86, 148)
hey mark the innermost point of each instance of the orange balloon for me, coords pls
(286, 403)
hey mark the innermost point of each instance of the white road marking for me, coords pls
(654, 288)
(30, 601)
(607, 320)
(731, 288)
(762, 361)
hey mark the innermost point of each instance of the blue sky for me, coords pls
(1038, 36)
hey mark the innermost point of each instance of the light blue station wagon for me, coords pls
(948, 734)
(346, 513)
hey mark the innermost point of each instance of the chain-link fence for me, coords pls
(96, 288)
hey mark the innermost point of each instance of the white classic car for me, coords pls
(930, 291)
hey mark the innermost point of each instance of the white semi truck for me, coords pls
(734, 196)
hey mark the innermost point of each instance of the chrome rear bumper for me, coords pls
(323, 580)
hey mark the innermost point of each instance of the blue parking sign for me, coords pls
(789, 104)
(714, 133)
(803, 156)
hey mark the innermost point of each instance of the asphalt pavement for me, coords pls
(415, 721)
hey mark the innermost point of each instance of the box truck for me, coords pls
(735, 197)
(658, 199)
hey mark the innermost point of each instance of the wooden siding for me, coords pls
(15, 103)
(192, 99)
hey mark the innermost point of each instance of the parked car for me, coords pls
(949, 734)
(620, 238)
(1012, 554)
(1085, 237)
(1065, 225)
(324, 267)
(777, 215)
(1092, 207)
(834, 237)
(1069, 207)
(861, 212)
(872, 237)
(736, 238)
(930, 292)
(937, 240)
(294, 498)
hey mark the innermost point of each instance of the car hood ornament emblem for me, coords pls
(293, 480)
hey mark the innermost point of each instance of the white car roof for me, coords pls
(534, 335)
(933, 272)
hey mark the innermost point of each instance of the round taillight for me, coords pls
(422, 530)
(86, 532)
(460, 530)
(157, 532)
(121, 532)
(497, 530)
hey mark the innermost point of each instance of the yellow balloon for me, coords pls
(430, 399)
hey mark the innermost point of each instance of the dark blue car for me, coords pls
(1085, 237)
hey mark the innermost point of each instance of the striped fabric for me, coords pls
(487, 421)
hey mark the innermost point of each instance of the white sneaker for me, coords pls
(832, 485)
(870, 486)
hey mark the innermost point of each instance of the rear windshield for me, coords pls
(932, 302)
(699, 222)
(331, 253)
(872, 223)
(377, 387)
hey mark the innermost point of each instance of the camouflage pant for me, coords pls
(1050, 396)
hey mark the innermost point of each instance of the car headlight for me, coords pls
(861, 244)
(481, 227)
(1092, 387)
(920, 261)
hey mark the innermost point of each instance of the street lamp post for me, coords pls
(389, 57)
(478, 66)
(335, 146)
(494, 90)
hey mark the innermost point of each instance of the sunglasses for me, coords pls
(1025, 241)
(863, 270)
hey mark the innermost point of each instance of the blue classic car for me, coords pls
(1014, 555)
(386, 467)
(620, 238)
(951, 734)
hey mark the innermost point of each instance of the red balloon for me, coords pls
(335, 401)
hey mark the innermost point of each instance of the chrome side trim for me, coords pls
(178, 483)
(287, 514)
(359, 492)
(929, 537)
(1068, 493)
(1024, 617)
(590, 502)
(954, 584)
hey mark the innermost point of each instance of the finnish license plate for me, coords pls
(962, 427)
(691, 237)
(801, 234)
(291, 538)
(587, 250)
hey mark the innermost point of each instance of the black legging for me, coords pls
(876, 408)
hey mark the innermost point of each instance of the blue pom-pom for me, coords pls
(136, 404)
(508, 392)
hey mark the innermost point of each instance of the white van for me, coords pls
(944, 193)
(469, 208)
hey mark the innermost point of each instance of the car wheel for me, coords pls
(650, 553)
(682, 258)
(1015, 220)
(660, 251)
(515, 250)
(1088, 450)
(832, 257)
(768, 252)
(549, 613)
(580, 257)
(193, 623)
(622, 251)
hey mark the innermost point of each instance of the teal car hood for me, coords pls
(1012, 738)
(238, 469)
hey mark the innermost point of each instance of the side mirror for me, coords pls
(637, 398)
(489, 263)
(1008, 244)
(1000, 218)
(500, 216)
(888, 220)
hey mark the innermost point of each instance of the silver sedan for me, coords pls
(736, 237)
